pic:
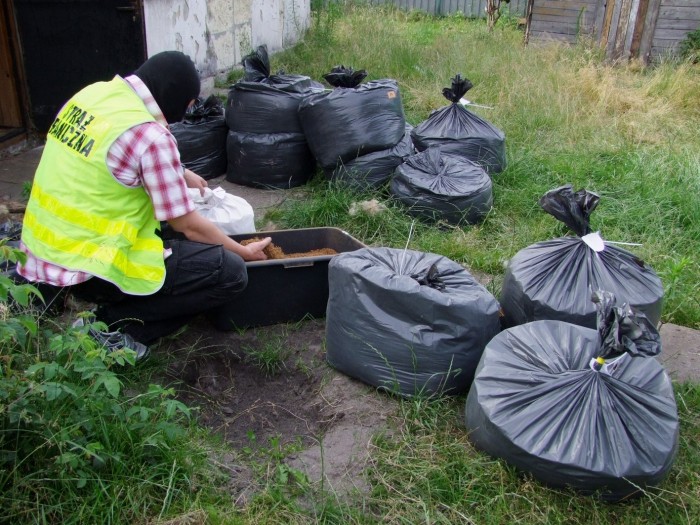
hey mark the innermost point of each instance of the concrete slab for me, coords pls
(16, 170)
(680, 352)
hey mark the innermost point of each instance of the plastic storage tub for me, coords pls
(286, 290)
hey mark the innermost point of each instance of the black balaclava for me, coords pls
(173, 81)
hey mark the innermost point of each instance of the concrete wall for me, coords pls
(217, 34)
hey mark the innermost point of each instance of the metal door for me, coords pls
(67, 44)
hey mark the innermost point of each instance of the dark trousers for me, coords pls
(198, 278)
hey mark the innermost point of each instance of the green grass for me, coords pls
(268, 353)
(432, 469)
(628, 133)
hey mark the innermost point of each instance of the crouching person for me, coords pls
(109, 174)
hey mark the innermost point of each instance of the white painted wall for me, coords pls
(217, 34)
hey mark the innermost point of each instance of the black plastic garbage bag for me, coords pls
(265, 103)
(457, 130)
(347, 122)
(407, 322)
(542, 401)
(554, 279)
(266, 144)
(201, 138)
(442, 186)
(272, 160)
(373, 170)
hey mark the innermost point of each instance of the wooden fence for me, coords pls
(645, 29)
(562, 20)
(675, 19)
(470, 8)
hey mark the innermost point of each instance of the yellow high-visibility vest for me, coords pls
(79, 216)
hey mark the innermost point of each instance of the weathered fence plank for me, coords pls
(469, 8)
(685, 25)
(679, 13)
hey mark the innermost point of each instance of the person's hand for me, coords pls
(195, 181)
(254, 250)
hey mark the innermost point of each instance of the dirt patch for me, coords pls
(253, 399)
(255, 385)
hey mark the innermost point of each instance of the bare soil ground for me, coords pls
(251, 401)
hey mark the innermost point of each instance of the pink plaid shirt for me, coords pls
(145, 155)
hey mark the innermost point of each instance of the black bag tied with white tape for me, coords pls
(577, 407)
(457, 130)
(554, 279)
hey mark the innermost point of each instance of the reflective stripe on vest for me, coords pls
(78, 216)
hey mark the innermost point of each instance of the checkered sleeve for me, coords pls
(162, 175)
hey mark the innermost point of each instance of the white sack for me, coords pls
(232, 214)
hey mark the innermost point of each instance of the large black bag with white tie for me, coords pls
(457, 130)
(554, 279)
(576, 407)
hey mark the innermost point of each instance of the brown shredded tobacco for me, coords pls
(275, 252)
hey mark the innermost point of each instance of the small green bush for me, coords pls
(690, 47)
(68, 433)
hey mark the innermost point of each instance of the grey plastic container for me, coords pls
(286, 290)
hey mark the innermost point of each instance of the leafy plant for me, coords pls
(234, 76)
(324, 16)
(493, 12)
(67, 430)
(690, 47)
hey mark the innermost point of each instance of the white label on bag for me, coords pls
(594, 241)
(466, 102)
(610, 366)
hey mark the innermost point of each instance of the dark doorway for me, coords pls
(12, 112)
(67, 44)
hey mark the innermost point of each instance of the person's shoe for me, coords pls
(113, 340)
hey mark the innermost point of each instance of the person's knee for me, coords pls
(234, 274)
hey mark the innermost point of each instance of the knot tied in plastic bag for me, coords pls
(256, 65)
(203, 108)
(460, 86)
(623, 329)
(430, 277)
(573, 208)
(345, 77)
